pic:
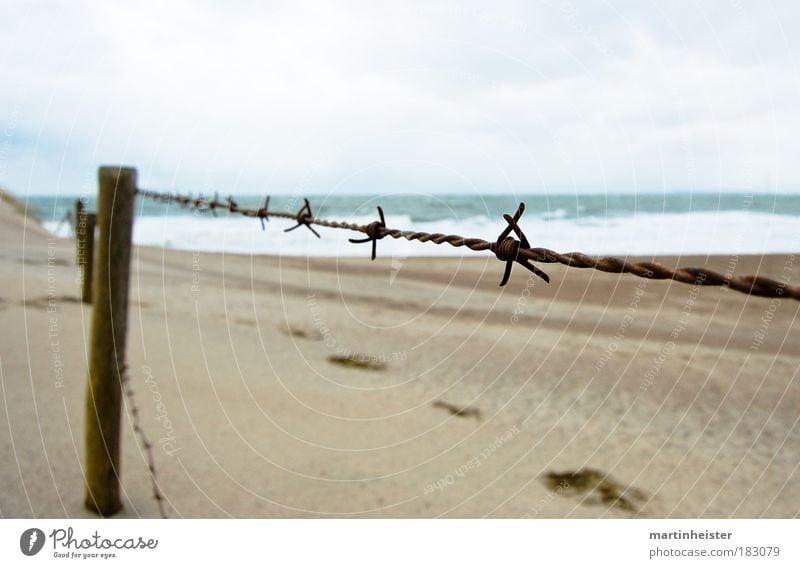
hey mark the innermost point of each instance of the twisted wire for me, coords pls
(508, 249)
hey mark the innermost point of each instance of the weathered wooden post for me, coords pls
(79, 209)
(117, 194)
(88, 267)
(84, 233)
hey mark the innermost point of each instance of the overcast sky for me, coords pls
(520, 97)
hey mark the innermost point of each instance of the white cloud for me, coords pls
(521, 97)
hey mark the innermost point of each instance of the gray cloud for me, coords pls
(521, 97)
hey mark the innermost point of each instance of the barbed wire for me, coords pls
(147, 446)
(506, 248)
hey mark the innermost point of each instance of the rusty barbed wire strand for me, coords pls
(506, 248)
(146, 445)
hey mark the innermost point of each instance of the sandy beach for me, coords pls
(323, 387)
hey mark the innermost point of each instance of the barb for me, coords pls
(510, 250)
(374, 233)
(304, 217)
(507, 248)
(263, 214)
(233, 207)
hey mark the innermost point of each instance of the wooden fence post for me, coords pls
(117, 194)
(84, 233)
(79, 209)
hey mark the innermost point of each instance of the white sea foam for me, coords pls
(727, 232)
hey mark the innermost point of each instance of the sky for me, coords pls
(544, 96)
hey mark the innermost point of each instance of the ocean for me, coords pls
(619, 224)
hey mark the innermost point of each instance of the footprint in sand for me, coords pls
(358, 361)
(455, 410)
(597, 487)
(300, 333)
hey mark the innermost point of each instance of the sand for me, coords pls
(293, 387)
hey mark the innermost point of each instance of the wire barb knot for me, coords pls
(507, 248)
(263, 214)
(212, 205)
(304, 217)
(374, 232)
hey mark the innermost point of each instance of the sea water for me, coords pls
(619, 224)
